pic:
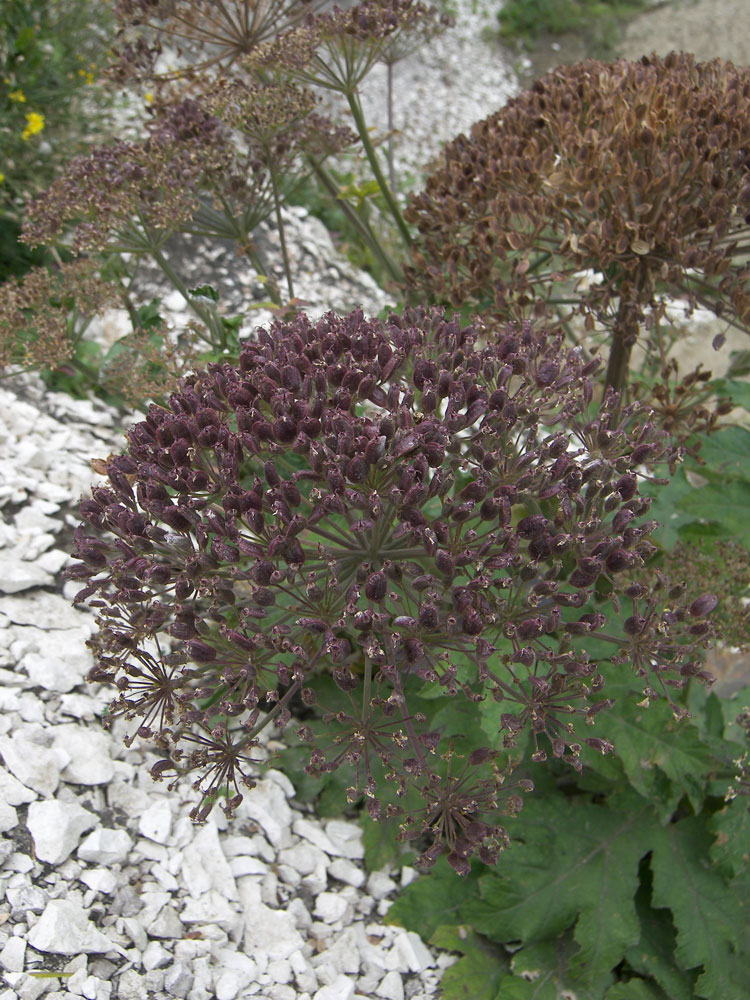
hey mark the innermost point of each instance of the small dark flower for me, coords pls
(291, 566)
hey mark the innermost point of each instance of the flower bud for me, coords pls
(376, 586)
(703, 605)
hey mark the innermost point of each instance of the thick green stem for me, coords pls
(389, 104)
(207, 316)
(280, 227)
(362, 227)
(364, 135)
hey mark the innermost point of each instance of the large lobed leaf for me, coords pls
(709, 917)
(578, 864)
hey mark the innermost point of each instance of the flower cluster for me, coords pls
(338, 48)
(190, 174)
(637, 171)
(394, 508)
(210, 37)
(39, 313)
(152, 184)
(278, 122)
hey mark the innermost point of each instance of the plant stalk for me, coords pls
(362, 227)
(364, 135)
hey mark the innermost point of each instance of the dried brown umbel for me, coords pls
(638, 171)
(43, 314)
(128, 192)
(215, 167)
(208, 37)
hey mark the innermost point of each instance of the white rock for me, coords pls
(99, 879)
(61, 660)
(8, 817)
(345, 871)
(234, 847)
(240, 866)
(270, 933)
(12, 955)
(17, 575)
(65, 929)
(391, 986)
(147, 904)
(131, 986)
(156, 821)
(43, 610)
(24, 897)
(178, 979)
(35, 766)
(57, 827)
(330, 907)
(408, 875)
(52, 562)
(237, 971)
(312, 831)
(167, 925)
(340, 989)
(210, 908)
(267, 805)
(105, 846)
(17, 862)
(303, 857)
(165, 878)
(155, 956)
(204, 866)
(379, 884)
(346, 839)
(342, 954)
(88, 749)
(414, 952)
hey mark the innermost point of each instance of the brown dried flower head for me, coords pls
(639, 172)
(208, 38)
(41, 314)
(207, 168)
(120, 190)
(337, 49)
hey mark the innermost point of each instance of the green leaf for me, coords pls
(738, 392)
(541, 971)
(740, 364)
(730, 851)
(477, 975)
(709, 917)
(577, 863)
(649, 741)
(428, 902)
(664, 507)
(653, 955)
(727, 505)
(382, 847)
(636, 989)
(205, 292)
(728, 452)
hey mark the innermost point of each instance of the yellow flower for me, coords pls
(148, 97)
(89, 78)
(18, 96)
(2, 177)
(34, 124)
